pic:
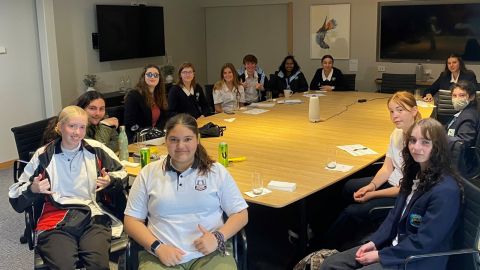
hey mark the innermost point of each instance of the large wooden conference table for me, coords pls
(282, 144)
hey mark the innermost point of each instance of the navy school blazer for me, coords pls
(427, 226)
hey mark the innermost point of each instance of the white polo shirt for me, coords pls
(251, 92)
(176, 203)
(394, 152)
(228, 98)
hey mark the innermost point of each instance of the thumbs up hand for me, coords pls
(40, 185)
(207, 243)
(103, 180)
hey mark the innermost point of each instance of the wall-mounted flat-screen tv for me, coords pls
(428, 30)
(126, 32)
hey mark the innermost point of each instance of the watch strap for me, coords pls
(155, 245)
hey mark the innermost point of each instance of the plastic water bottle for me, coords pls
(123, 144)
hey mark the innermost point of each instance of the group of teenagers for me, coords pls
(150, 104)
(176, 205)
(418, 177)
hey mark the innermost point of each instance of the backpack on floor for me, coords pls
(314, 259)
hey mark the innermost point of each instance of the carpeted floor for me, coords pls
(14, 255)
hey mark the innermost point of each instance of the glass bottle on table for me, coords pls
(123, 144)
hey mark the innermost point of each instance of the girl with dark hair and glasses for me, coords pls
(146, 105)
(426, 212)
(184, 196)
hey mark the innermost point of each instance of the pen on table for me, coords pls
(362, 148)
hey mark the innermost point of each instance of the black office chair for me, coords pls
(392, 83)
(467, 237)
(28, 138)
(239, 242)
(444, 110)
(209, 97)
(116, 111)
(475, 173)
(349, 81)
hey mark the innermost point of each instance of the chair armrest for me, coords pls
(131, 254)
(29, 228)
(17, 169)
(438, 254)
(240, 248)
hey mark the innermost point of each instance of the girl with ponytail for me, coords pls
(184, 196)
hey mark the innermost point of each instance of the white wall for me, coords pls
(229, 41)
(21, 88)
(363, 34)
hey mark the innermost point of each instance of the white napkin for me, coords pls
(250, 193)
(230, 120)
(340, 168)
(129, 164)
(280, 185)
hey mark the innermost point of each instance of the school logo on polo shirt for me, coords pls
(200, 184)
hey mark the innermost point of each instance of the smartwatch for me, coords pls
(155, 245)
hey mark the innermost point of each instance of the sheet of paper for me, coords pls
(263, 105)
(265, 191)
(293, 101)
(357, 150)
(314, 95)
(230, 120)
(255, 111)
(421, 103)
(340, 168)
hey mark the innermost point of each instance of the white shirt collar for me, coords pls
(452, 79)
(255, 74)
(329, 77)
(187, 92)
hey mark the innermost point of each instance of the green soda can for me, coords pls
(144, 156)
(223, 153)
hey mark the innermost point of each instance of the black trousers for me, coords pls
(60, 250)
(346, 261)
(354, 221)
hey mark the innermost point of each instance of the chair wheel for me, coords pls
(23, 239)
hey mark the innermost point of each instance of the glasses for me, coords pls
(152, 75)
(187, 72)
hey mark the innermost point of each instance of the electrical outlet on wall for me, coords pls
(381, 68)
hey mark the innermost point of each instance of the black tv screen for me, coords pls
(126, 32)
(426, 31)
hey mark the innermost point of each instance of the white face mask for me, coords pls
(459, 103)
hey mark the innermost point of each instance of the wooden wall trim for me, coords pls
(6, 164)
